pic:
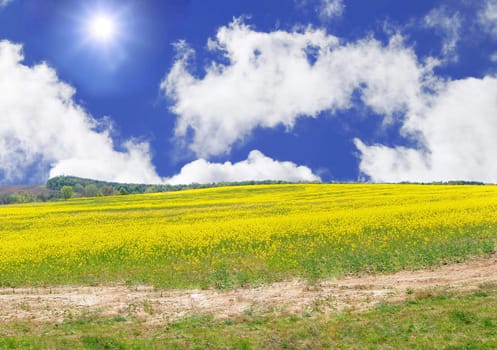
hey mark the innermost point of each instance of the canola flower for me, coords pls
(226, 237)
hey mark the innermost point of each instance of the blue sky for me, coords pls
(182, 91)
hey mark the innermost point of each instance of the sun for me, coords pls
(102, 27)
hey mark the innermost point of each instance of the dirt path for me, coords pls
(162, 306)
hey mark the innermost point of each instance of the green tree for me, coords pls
(90, 190)
(107, 190)
(123, 191)
(78, 188)
(151, 189)
(66, 192)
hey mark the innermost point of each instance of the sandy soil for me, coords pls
(162, 306)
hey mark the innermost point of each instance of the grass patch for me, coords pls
(441, 321)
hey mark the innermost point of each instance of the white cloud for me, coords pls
(274, 78)
(42, 129)
(457, 136)
(4, 3)
(448, 25)
(326, 9)
(257, 167)
(454, 128)
(331, 8)
(43, 132)
(488, 17)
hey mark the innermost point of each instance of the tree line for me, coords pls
(70, 186)
(65, 187)
(27, 196)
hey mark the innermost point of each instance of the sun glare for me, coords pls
(102, 27)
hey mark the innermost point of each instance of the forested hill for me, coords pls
(82, 187)
(89, 187)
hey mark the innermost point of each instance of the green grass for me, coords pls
(429, 320)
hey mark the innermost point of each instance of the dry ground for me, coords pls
(162, 306)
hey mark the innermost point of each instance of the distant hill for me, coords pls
(91, 188)
(82, 185)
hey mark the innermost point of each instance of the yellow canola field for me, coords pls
(236, 235)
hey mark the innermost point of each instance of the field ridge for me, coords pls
(162, 306)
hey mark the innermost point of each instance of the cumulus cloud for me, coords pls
(257, 167)
(454, 129)
(270, 79)
(274, 78)
(457, 136)
(448, 25)
(329, 9)
(43, 130)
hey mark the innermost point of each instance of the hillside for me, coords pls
(263, 266)
(79, 184)
(232, 236)
(82, 187)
